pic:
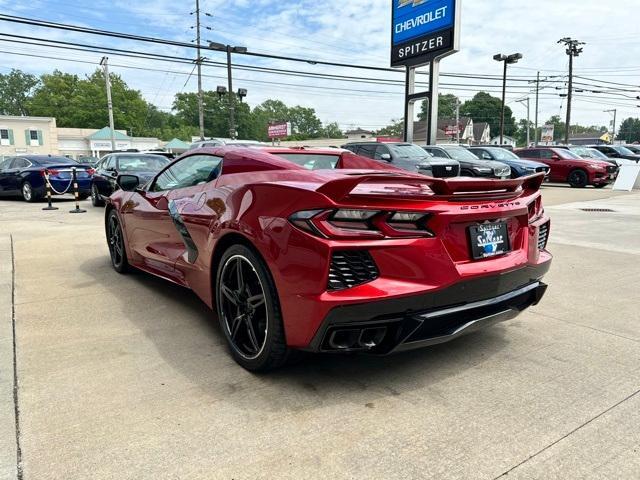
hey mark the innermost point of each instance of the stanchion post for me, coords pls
(48, 186)
(75, 193)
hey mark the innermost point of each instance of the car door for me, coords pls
(550, 158)
(156, 231)
(14, 177)
(6, 176)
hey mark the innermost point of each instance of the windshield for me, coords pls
(623, 150)
(568, 154)
(590, 153)
(408, 150)
(141, 163)
(312, 161)
(460, 153)
(503, 154)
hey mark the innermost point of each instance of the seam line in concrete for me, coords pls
(568, 434)
(16, 406)
(546, 315)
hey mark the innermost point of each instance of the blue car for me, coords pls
(519, 167)
(25, 176)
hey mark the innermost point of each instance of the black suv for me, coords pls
(406, 156)
(617, 151)
(470, 165)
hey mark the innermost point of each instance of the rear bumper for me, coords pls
(396, 325)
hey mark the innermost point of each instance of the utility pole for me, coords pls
(457, 121)
(199, 65)
(528, 121)
(232, 100)
(615, 117)
(537, 102)
(105, 67)
(573, 50)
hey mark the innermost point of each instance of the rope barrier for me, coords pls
(46, 176)
(48, 185)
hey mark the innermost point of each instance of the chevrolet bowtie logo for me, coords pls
(415, 3)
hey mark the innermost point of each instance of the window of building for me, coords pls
(5, 136)
(34, 137)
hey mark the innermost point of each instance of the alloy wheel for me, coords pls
(27, 191)
(243, 306)
(116, 243)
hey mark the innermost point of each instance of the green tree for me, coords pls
(394, 129)
(446, 107)
(485, 108)
(305, 123)
(332, 130)
(15, 89)
(629, 130)
(521, 132)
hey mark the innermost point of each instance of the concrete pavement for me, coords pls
(127, 377)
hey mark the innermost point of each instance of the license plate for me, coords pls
(489, 240)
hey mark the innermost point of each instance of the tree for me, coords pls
(15, 89)
(395, 129)
(446, 107)
(485, 108)
(521, 132)
(630, 130)
(332, 130)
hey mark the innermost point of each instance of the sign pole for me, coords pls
(410, 88)
(434, 74)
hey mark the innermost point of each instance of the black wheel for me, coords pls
(28, 193)
(115, 240)
(578, 179)
(249, 311)
(96, 199)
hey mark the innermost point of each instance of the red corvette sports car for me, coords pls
(321, 250)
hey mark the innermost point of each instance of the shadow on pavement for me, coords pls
(194, 346)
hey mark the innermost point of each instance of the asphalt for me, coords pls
(127, 377)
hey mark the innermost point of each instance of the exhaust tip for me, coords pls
(345, 339)
(372, 337)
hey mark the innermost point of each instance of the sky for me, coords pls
(351, 32)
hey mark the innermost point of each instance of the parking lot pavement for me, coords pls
(127, 376)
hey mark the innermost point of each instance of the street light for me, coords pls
(507, 60)
(220, 47)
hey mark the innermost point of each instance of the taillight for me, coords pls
(90, 171)
(50, 172)
(348, 224)
(535, 209)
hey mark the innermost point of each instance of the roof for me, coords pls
(105, 134)
(358, 131)
(451, 122)
(178, 144)
(479, 129)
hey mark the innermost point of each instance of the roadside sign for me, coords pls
(423, 30)
(451, 130)
(547, 134)
(279, 130)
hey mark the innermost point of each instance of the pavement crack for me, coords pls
(16, 406)
(599, 330)
(579, 427)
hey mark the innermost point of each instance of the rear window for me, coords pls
(141, 163)
(567, 154)
(52, 161)
(312, 161)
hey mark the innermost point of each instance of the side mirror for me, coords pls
(128, 183)
(386, 157)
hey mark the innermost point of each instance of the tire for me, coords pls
(115, 241)
(578, 179)
(96, 199)
(28, 193)
(255, 334)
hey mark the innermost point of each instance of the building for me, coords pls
(40, 135)
(358, 135)
(481, 133)
(506, 140)
(464, 128)
(22, 135)
(177, 146)
(590, 138)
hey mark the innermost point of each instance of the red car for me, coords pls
(332, 259)
(567, 167)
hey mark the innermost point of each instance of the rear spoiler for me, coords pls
(446, 189)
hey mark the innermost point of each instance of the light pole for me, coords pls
(507, 60)
(229, 49)
(573, 50)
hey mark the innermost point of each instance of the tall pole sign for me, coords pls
(422, 33)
